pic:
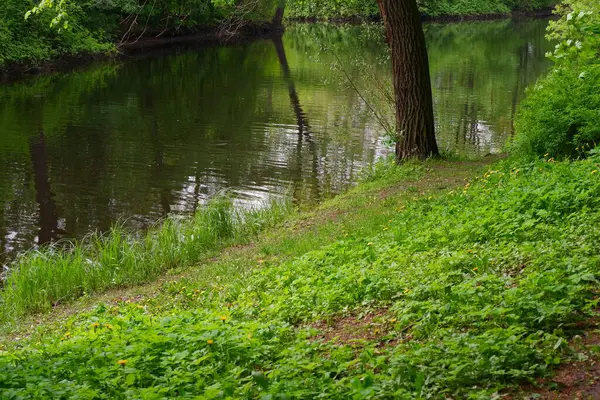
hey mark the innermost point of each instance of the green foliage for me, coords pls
(66, 27)
(433, 8)
(41, 278)
(32, 34)
(331, 8)
(560, 116)
(477, 289)
(464, 7)
(33, 40)
(478, 7)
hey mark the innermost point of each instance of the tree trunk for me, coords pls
(383, 18)
(277, 20)
(412, 83)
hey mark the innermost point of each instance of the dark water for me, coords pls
(157, 135)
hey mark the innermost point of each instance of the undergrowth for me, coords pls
(479, 288)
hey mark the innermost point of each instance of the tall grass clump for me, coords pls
(44, 277)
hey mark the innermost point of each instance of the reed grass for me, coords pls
(42, 278)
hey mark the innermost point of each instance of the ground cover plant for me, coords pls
(405, 288)
(472, 290)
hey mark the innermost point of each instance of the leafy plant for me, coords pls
(560, 114)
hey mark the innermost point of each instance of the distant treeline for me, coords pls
(69, 27)
(327, 9)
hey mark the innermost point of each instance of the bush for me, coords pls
(559, 117)
(33, 40)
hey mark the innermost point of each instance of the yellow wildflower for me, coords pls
(223, 318)
(595, 171)
(210, 341)
(475, 269)
(122, 362)
(108, 326)
(95, 325)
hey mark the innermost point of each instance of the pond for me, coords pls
(134, 140)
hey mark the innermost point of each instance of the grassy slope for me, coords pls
(403, 288)
(356, 211)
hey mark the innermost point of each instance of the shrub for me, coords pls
(560, 115)
(33, 40)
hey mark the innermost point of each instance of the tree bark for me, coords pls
(277, 20)
(412, 83)
(383, 18)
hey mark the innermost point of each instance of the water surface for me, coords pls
(137, 140)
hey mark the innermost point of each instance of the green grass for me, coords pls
(43, 278)
(358, 211)
(461, 290)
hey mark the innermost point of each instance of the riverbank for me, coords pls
(461, 278)
(144, 45)
(52, 49)
(421, 179)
